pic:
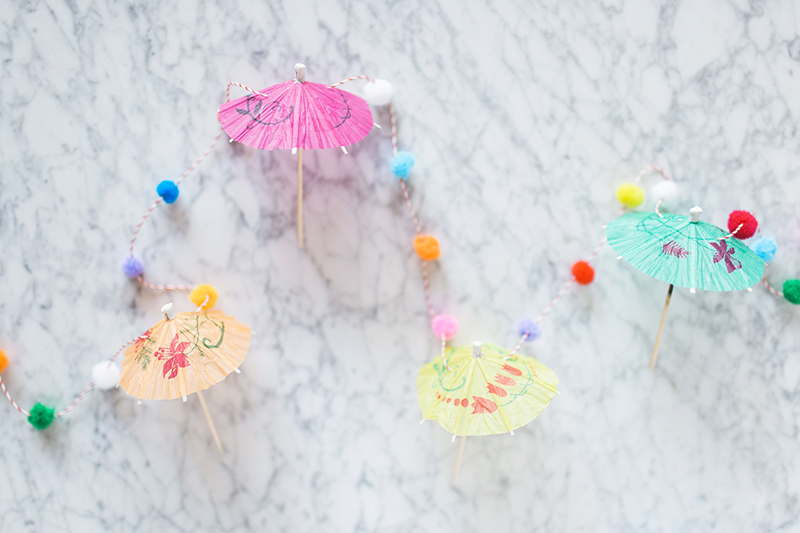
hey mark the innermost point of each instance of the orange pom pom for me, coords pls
(3, 360)
(583, 272)
(427, 247)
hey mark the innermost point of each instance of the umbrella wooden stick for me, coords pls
(210, 421)
(661, 329)
(300, 196)
(458, 458)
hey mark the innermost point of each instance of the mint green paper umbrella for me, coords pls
(683, 251)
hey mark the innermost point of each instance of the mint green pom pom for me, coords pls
(791, 290)
(41, 416)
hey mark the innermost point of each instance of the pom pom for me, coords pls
(168, 191)
(791, 290)
(401, 164)
(748, 222)
(132, 267)
(446, 325)
(106, 375)
(630, 195)
(427, 247)
(526, 326)
(3, 360)
(668, 191)
(199, 293)
(378, 93)
(765, 248)
(41, 416)
(583, 272)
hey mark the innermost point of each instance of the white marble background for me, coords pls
(524, 117)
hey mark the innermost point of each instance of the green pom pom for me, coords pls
(791, 290)
(41, 416)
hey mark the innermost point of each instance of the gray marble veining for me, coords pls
(524, 117)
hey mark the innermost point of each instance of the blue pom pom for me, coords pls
(401, 164)
(765, 248)
(526, 325)
(132, 267)
(168, 191)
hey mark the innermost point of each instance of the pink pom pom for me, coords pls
(748, 222)
(446, 325)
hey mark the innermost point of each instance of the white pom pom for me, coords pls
(378, 93)
(667, 190)
(106, 375)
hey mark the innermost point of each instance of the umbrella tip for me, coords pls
(300, 70)
(167, 310)
(694, 213)
(477, 349)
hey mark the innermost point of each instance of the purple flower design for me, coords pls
(726, 253)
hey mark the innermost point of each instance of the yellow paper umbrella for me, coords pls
(483, 392)
(184, 354)
(480, 390)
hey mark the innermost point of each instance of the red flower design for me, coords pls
(511, 370)
(175, 355)
(483, 405)
(140, 341)
(497, 391)
(503, 380)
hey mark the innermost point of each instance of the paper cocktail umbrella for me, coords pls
(683, 251)
(480, 390)
(184, 354)
(297, 115)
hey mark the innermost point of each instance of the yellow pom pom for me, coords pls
(199, 293)
(630, 195)
(3, 360)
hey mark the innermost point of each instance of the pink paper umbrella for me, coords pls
(297, 115)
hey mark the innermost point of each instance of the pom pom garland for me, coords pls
(791, 291)
(666, 190)
(106, 375)
(3, 360)
(41, 416)
(199, 293)
(378, 93)
(427, 247)
(765, 248)
(444, 325)
(401, 164)
(583, 272)
(132, 267)
(528, 327)
(748, 222)
(168, 191)
(630, 195)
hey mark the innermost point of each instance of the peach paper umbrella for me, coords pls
(297, 115)
(184, 354)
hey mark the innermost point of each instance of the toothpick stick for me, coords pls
(210, 421)
(661, 329)
(300, 196)
(458, 458)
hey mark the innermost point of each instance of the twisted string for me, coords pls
(80, 396)
(352, 78)
(168, 287)
(245, 87)
(770, 288)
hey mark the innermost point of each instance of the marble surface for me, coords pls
(524, 117)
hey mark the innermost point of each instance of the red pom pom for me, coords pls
(748, 222)
(583, 272)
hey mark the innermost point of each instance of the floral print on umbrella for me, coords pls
(175, 357)
(724, 252)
